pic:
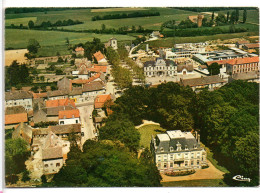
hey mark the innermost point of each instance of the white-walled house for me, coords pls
(69, 117)
(19, 98)
(177, 151)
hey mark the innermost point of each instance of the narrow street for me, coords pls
(87, 126)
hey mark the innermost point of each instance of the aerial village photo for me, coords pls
(131, 97)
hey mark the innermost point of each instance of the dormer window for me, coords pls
(161, 149)
(178, 146)
(171, 148)
(195, 146)
(186, 147)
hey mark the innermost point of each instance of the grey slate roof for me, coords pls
(202, 81)
(14, 95)
(149, 63)
(188, 142)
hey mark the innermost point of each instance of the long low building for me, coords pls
(212, 82)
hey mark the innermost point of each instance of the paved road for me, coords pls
(86, 123)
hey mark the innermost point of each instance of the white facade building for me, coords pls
(177, 151)
(68, 117)
(160, 67)
(19, 98)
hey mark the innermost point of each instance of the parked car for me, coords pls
(90, 116)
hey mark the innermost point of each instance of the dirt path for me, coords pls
(209, 173)
(145, 122)
(11, 55)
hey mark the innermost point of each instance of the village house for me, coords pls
(251, 46)
(111, 43)
(12, 120)
(14, 110)
(48, 155)
(177, 151)
(156, 34)
(62, 131)
(67, 117)
(100, 101)
(19, 98)
(239, 65)
(160, 67)
(210, 82)
(23, 131)
(79, 51)
(100, 58)
(241, 43)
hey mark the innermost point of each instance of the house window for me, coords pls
(159, 158)
(186, 155)
(159, 165)
(76, 121)
(165, 165)
(198, 154)
(171, 148)
(57, 164)
(191, 163)
(186, 163)
(161, 149)
(198, 162)
(46, 165)
(171, 156)
(192, 155)
(171, 165)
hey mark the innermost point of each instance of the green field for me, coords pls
(16, 38)
(146, 133)
(18, 21)
(196, 183)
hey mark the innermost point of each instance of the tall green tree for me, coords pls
(31, 24)
(214, 68)
(244, 16)
(33, 46)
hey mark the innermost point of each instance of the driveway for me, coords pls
(209, 173)
(86, 123)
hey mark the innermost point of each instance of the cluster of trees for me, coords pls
(124, 15)
(17, 151)
(227, 120)
(106, 163)
(202, 31)
(229, 125)
(16, 74)
(32, 47)
(209, 9)
(36, 9)
(214, 68)
(48, 24)
(91, 48)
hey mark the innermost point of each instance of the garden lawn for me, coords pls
(196, 183)
(147, 131)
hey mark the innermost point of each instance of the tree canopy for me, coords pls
(107, 164)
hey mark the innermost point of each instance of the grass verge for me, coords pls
(196, 183)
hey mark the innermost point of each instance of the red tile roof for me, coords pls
(97, 68)
(99, 56)
(256, 45)
(16, 118)
(243, 60)
(92, 78)
(100, 100)
(236, 61)
(79, 81)
(79, 49)
(60, 102)
(68, 114)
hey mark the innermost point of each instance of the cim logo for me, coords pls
(241, 178)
